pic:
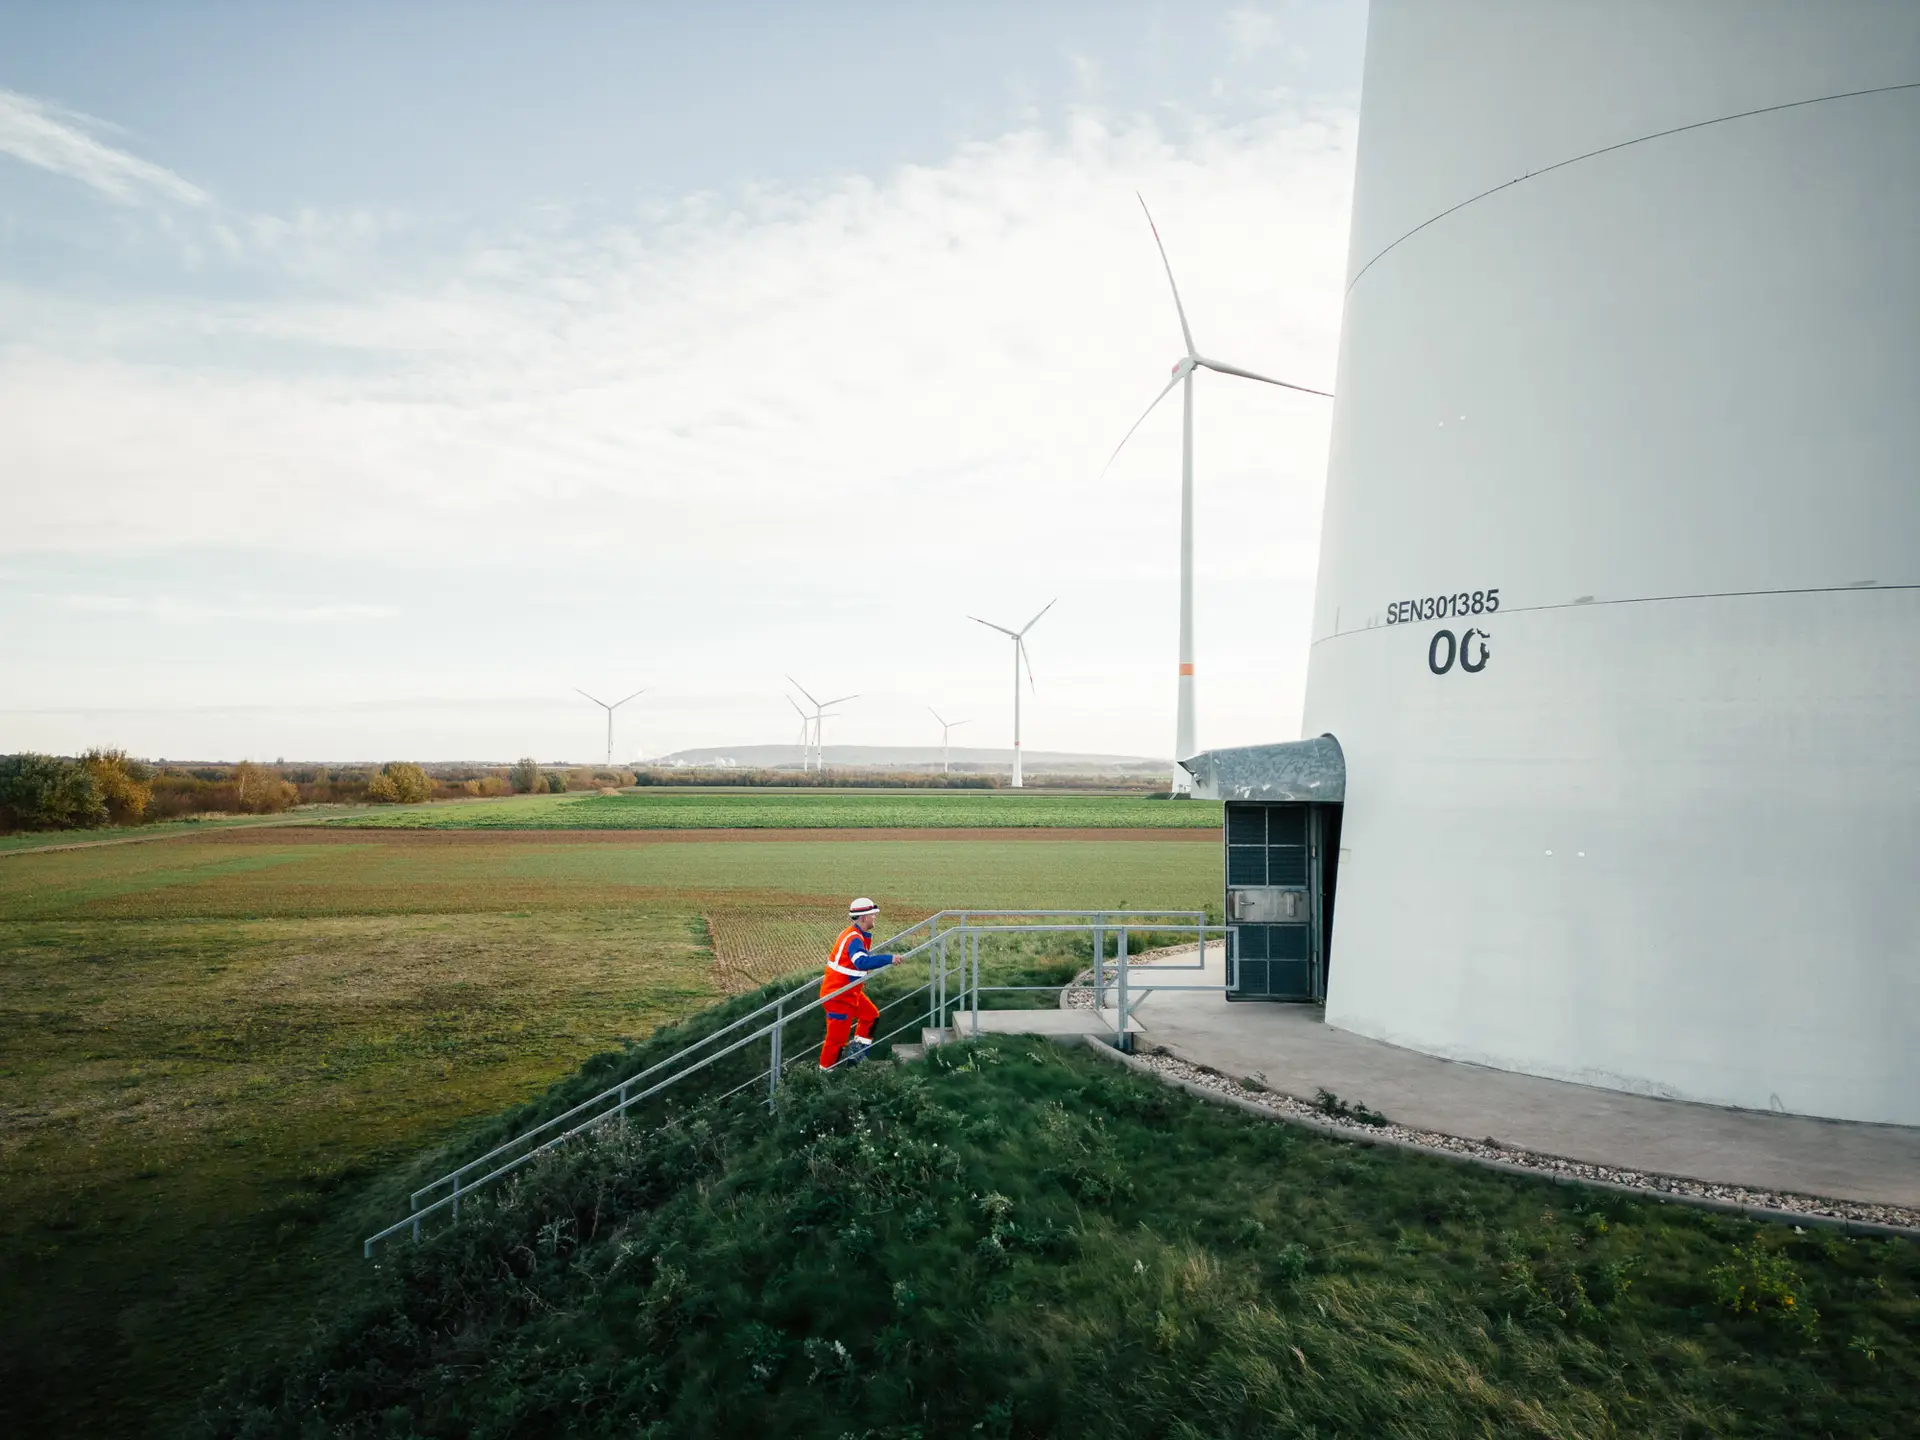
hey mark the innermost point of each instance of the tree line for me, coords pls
(109, 787)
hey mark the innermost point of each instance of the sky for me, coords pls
(371, 376)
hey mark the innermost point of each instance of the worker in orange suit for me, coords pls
(850, 1014)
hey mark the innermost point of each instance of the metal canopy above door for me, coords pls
(1311, 771)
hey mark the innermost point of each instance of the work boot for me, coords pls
(856, 1050)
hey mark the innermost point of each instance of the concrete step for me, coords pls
(1059, 1024)
(906, 1054)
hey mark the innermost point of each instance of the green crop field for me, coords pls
(23, 841)
(211, 1043)
(806, 809)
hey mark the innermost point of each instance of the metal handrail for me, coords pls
(777, 1002)
(965, 922)
(623, 1102)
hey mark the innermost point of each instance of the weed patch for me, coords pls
(1331, 1104)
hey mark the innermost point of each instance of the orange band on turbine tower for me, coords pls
(1186, 669)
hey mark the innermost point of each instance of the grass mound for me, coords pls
(1016, 1239)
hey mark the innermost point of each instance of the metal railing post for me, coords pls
(1120, 1037)
(773, 1045)
(456, 1197)
(976, 984)
(1099, 964)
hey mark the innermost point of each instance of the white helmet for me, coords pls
(862, 906)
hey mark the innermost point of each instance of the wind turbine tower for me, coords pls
(947, 727)
(1185, 743)
(609, 709)
(806, 735)
(1019, 638)
(821, 710)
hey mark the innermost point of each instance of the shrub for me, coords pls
(400, 783)
(556, 783)
(259, 790)
(46, 792)
(125, 786)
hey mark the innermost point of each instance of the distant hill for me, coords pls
(911, 757)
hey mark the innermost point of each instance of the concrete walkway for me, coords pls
(1297, 1053)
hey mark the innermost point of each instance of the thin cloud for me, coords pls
(168, 608)
(1253, 32)
(43, 135)
(681, 425)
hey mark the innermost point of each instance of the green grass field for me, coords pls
(1011, 1239)
(210, 1044)
(225, 1057)
(806, 809)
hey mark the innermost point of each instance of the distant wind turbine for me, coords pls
(1019, 658)
(806, 734)
(609, 709)
(821, 710)
(1185, 744)
(947, 727)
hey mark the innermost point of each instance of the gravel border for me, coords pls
(1781, 1207)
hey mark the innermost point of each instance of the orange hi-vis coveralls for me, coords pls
(850, 1013)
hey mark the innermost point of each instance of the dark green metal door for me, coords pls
(1273, 908)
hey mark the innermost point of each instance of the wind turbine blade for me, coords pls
(841, 701)
(1043, 610)
(635, 696)
(803, 690)
(1263, 379)
(1026, 660)
(1138, 423)
(991, 626)
(1188, 334)
(935, 713)
(958, 723)
(596, 699)
(796, 707)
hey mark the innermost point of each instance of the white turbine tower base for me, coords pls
(1019, 638)
(610, 709)
(1186, 742)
